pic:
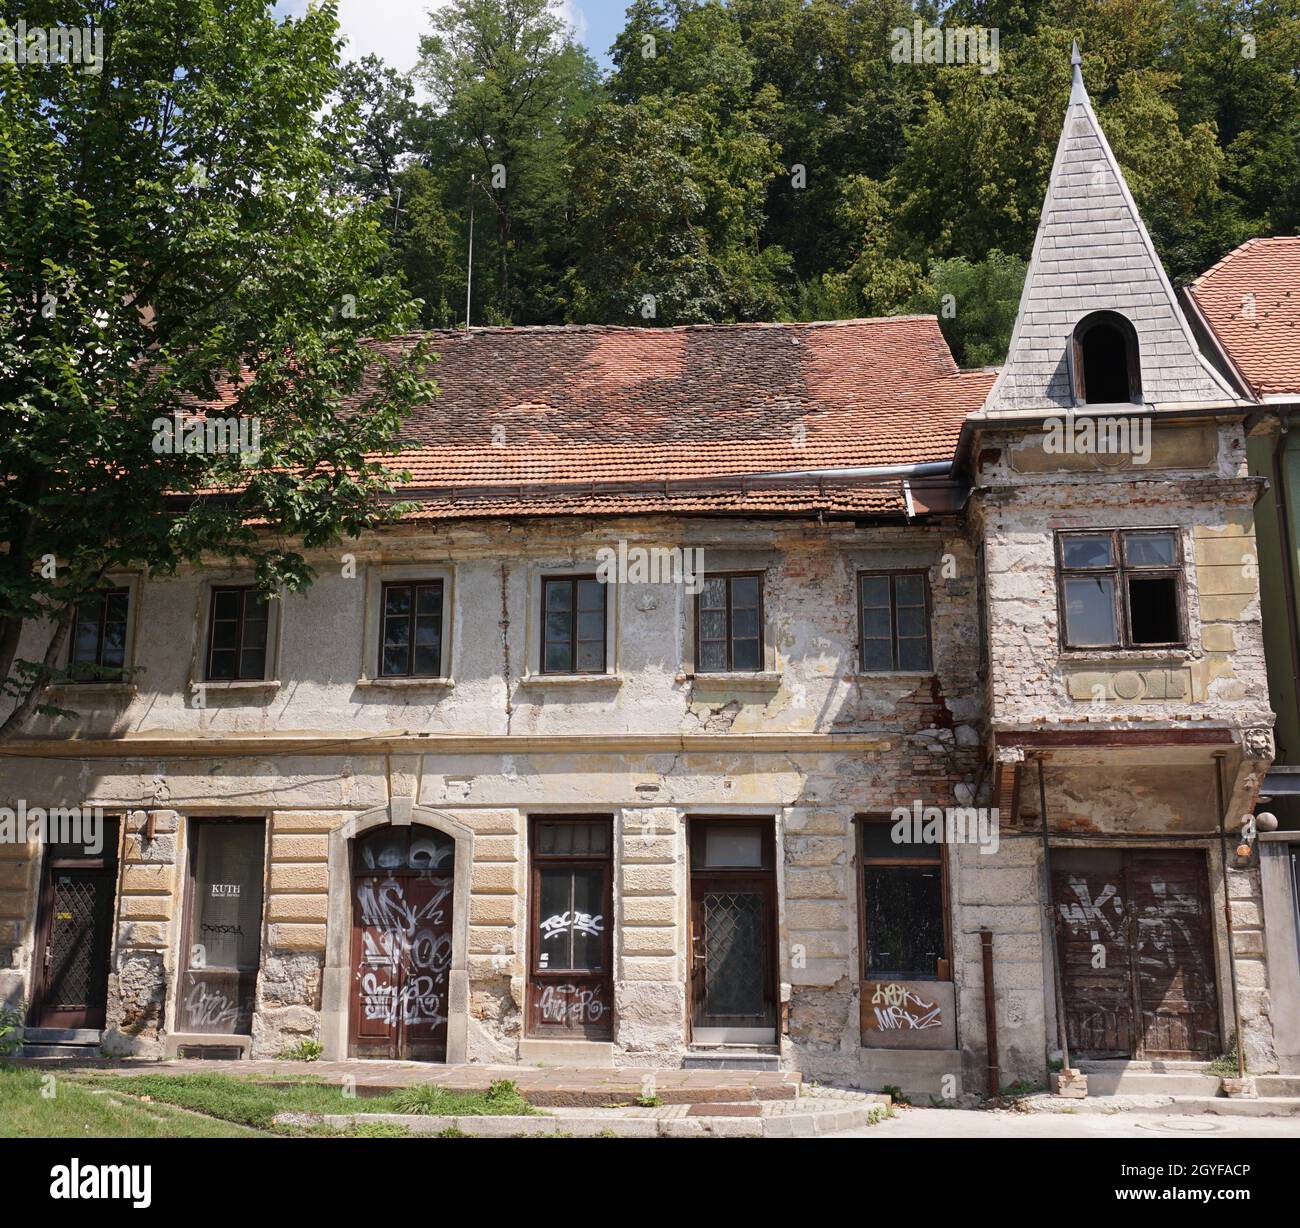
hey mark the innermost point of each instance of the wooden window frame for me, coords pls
(573, 581)
(415, 586)
(944, 971)
(892, 576)
(537, 861)
(239, 675)
(103, 595)
(1120, 570)
(730, 668)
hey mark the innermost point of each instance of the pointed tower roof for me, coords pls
(1092, 253)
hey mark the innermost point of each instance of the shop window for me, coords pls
(729, 624)
(1121, 588)
(570, 989)
(902, 906)
(1104, 355)
(573, 625)
(223, 926)
(893, 621)
(98, 648)
(237, 623)
(410, 643)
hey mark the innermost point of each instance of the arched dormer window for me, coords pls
(1104, 357)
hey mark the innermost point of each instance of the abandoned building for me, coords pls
(756, 693)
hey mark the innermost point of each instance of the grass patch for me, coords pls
(250, 1102)
(77, 1110)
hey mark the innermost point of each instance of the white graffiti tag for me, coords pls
(576, 922)
(405, 956)
(561, 1003)
(897, 1007)
(209, 1008)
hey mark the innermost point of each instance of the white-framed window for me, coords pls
(408, 631)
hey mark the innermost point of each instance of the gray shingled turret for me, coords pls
(1093, 253)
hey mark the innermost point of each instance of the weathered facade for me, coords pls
(466, 801)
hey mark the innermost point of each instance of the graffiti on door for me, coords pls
(406, 950)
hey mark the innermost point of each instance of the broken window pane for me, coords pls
(1153, 609)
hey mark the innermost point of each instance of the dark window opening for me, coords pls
(237, 635)
(411, 639)
(1106, 366)
(98, 651)
(729, 625)
(1121, 588)
(904, 918)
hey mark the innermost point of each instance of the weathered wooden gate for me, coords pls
(1134, 932)
(401, 943)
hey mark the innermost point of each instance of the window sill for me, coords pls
(884, 675)
(94, 688)
(610, 680)
(399, 684)
(765, 681)
(1156, 655)
(238, 684)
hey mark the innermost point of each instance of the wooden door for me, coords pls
(733, 929)
(1134, 936)
(402, 893)
(1177, 1000)
(73, 953)
(570, 946)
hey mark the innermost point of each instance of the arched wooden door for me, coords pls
(402, 879)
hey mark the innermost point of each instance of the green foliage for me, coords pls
(171, 234)
(976, 304)
(11, 1026)
(895, 1094)
(1225, 1065)
(303, 1051)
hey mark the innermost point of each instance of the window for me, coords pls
(98, 651)
(893, 621)
(573, 625)
(1121, 588)
(729, 624)
(237, 634)
(904, 911)
(410, 643)
(1104, 356)
(571, 959)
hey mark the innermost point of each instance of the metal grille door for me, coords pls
(735, 956)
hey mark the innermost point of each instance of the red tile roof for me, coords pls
(1251, 299)
(565, 420)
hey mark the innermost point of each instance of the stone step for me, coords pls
(69, 1052)
(732, 1057)
(62, 1036)
(1141, 1083)
(1278, 1085)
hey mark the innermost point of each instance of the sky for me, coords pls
(391, 29)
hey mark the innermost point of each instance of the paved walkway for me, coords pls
(542, 1086)
(964, 1123)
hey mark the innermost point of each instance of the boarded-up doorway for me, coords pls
(1134, 932)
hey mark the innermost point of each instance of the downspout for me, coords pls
(990, 1011)
(1227, 915)
(1062, 1039)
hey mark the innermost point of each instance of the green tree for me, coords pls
(169, 238)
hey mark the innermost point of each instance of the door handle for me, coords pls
(49, 957)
